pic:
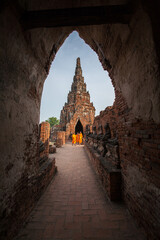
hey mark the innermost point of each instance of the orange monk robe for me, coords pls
(77, 138)
(73, 139)
(80, 138)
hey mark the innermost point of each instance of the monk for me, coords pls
(80, 138)
(73, 139)
(77, 138)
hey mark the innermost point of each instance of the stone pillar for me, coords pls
(60, 138)
(44, 136)
(68, 131)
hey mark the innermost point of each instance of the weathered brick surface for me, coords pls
(26, 193)
(44, 136)
(130, 53)
(109, 176)
(140, 157)
(78, 106)
(52, 148)
(28, 189)
(139, 162)
(60, 138)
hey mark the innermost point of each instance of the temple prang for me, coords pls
(124, 146)
(78, 113)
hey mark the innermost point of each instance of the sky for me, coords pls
(58, 83)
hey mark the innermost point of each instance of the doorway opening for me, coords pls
(79, 127)
(61, 74)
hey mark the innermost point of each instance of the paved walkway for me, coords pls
(74, 206)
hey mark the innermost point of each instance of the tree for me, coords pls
(53, 121)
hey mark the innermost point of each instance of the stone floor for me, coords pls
(74, 206)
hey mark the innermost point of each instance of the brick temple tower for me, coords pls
(78, 113)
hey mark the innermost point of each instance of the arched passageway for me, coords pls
(82, 212)
(129, 50)
(79, 127)
(60, 75)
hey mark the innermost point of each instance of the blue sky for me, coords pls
(58, 83)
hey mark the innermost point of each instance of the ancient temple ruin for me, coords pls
(78, 113)
(125, 36)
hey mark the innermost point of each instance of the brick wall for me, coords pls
(25, 195)
(109, 175)
(28, 188)
(129, 53)
(139, 152)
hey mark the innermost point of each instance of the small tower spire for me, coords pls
(78, 70)
(78, 84)
(78, 62)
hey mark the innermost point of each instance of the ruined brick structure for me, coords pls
(78, 113)
(60, 138)
(44, 136)
(127, 161)
(127, 42)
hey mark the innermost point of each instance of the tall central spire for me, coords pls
(78, 71)
(78, 84)
(78, 107)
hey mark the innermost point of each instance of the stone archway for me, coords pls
(79, 127)
(129, 53)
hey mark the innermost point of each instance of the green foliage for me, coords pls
(53, 121)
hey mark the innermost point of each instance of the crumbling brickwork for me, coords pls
(139, 154)
(109, 175)
(78, 112)
(44, 136)
(60, 138)
(131, 54)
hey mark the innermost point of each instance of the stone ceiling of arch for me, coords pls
(126, 51)
(55, 4)
(122, 52)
